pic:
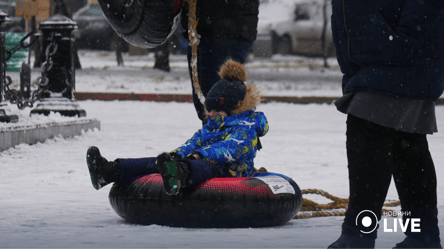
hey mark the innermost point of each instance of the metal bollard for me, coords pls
(58, 68)
(5, 115)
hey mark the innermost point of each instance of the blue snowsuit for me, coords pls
(226, 145)
(229, 142)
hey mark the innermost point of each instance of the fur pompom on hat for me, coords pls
(231, 94)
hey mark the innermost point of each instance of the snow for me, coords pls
(47, 200)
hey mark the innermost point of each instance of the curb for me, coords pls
(31, 134)
(189, 98)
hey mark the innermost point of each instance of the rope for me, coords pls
(193, 38)
(320, 210)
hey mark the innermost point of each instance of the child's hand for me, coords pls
(193, 156)
(175, 156)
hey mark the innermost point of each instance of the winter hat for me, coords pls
(231, 94)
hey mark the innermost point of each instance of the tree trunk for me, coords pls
(118, 41)
(161, 57)
(324, 34)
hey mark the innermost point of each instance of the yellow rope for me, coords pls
(320, 210)
(194, 39)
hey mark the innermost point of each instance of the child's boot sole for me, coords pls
(91, 159)
(170, 174)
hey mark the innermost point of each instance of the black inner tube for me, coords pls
(216, 203)
(143, 23)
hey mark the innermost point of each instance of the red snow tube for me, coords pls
(143, 23)
(262, 201)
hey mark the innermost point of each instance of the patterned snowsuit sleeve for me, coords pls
(190, 145)
(235, 146)
(262, 127)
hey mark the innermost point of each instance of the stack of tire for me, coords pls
(143, 23)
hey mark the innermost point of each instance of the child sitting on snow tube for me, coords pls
(224, 147)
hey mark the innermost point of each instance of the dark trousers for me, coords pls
(375, 154)
(200, 170)
(211, 55)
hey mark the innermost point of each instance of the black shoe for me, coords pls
(348, 241)
(101, 171)
(173, 173)
(415, 243)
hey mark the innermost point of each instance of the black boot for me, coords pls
(415, 243)
(349, 241)
(174, 174)
(101, 171)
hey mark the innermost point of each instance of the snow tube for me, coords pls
(143, 23)
(265, 200)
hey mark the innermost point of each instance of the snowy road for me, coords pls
(277, 76)
(47, 200)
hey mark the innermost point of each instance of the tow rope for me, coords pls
(314, 209)
(193, 40)
(311, 209)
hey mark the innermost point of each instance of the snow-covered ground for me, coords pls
(47, 200)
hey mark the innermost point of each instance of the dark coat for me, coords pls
(225, 19)
(394, 47)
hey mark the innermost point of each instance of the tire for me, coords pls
(284, 45)
(142, 23)
(16, 29)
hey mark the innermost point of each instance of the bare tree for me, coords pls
(161, 57)
(324, 43)
(118, 43)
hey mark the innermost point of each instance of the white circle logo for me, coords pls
(368, 220)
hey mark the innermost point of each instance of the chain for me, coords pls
(22, 44)
(14, 96)
(50, 51)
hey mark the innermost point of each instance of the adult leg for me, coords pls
(209, 59)
(370, 164)
(239, 51)
(415, 180)
(212, 54)
(370, 169)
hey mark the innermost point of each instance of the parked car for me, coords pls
(16, 24)
(301, 31)
(94, 31)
